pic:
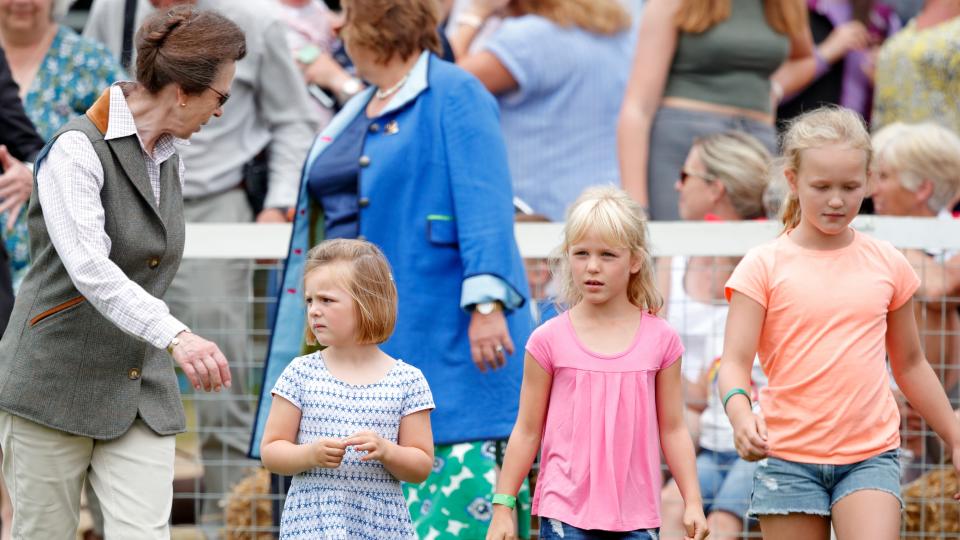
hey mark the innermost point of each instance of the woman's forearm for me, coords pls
(633, 139)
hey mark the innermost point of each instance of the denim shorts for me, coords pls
(726, 482)
(787, 487)
(554, 529)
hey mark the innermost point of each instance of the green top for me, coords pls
(730, 63)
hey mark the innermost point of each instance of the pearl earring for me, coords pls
(183, 104)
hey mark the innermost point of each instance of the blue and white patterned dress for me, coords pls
(357, 500)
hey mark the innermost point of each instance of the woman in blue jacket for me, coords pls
(416, 164)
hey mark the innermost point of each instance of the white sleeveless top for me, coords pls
(699, 324)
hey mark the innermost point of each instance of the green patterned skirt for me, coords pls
(455, 501)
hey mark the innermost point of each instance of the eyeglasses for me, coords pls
(705, 177)
(223, 97)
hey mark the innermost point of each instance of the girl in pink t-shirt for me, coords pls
(823, 306)
(601, 391)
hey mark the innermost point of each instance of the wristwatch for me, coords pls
(486, 308)
(175, 341)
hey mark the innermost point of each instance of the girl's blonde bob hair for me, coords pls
(826, 126)
(611, 214)
(919, 152)
(365, 276)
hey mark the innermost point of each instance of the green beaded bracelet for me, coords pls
(734, 392)
(506, 500)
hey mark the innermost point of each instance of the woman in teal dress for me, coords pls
(60, 75)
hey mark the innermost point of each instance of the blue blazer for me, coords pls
(436, 197)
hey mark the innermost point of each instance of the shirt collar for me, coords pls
(416, 83)
(121, 124)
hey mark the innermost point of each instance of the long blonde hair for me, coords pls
(620, 221)
(788, 17)
(826, 126)
(598, 16)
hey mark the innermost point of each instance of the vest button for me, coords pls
(133, 373)
(363, 202)
(364, 161)
(153, 262)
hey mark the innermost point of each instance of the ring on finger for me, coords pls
(498, 349)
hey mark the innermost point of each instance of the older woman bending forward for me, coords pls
(86, 387)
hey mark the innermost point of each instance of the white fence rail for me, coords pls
(270, 241)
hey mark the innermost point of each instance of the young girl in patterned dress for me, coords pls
(601, 392)
(350, 423)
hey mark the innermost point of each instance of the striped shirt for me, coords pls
(69, 181)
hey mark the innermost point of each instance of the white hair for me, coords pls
(920, 152)
(60, 8)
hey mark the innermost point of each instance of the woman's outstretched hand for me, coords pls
(202, 362)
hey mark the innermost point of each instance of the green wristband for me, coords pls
(734, 392)
(506, 500)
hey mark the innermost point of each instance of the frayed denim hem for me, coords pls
(760, 513)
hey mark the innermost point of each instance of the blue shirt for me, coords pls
(560, 125)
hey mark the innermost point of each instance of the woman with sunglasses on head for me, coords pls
(88, 387)
(723, 179)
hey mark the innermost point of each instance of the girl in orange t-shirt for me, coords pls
(823, 306)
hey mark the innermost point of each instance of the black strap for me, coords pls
(126, 53)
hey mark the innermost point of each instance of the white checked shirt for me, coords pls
(68, 186)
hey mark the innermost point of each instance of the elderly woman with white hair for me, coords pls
(916, 172)
(60, 75)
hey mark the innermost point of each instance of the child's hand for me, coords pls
(328, 453)
(694, 522)
(750, 437)
(502, 526)
(373, 444)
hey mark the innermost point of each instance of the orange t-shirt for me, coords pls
(822, 345)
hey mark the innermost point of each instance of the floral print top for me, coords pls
(918, 76)
(71, 77)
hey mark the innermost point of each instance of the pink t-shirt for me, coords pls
(600, 453)
(822, 345)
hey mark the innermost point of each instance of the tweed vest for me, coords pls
(62, 363)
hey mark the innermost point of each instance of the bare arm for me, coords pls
(524, 443)
(800, 67)
(410, 458)
(279, 450)
(917, 380)
(741, 337)
(936, 281)
(678, 448)
(656, 44)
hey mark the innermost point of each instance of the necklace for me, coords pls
(384, 94)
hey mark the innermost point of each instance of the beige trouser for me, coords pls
(44, 470)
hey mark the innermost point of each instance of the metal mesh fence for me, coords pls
(240, 504)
